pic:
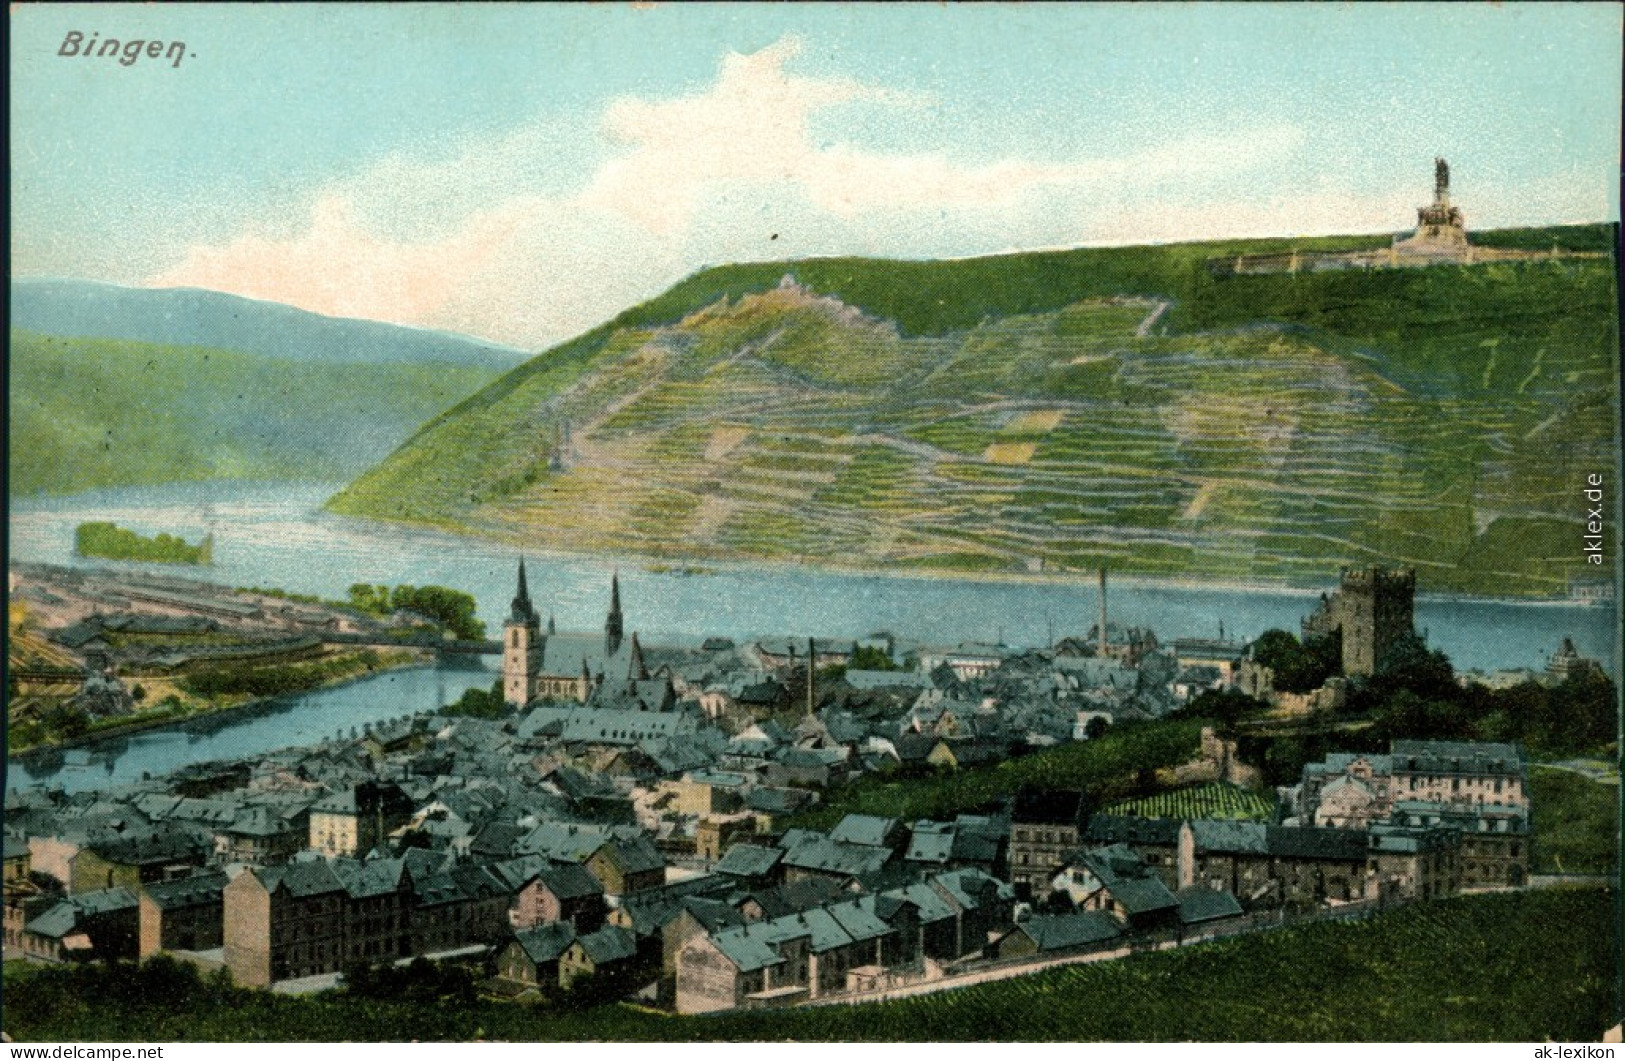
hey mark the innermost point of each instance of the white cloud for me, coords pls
(497, 239)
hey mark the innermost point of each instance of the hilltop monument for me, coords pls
(1440, 238)
(1441, 230)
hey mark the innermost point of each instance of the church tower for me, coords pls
(523, 645)
(612, 624)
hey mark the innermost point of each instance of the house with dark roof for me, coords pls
(610, 954)
(1113, 880)
(846, 864)
(751, 865)
(766, 904)
(695, 915)
(1045, 826)
(628, 865)
(355, 819)
(771, 804)
(1050, 934)
(459, 907)
(311, 917)
(1494, 838)
(1201, 907)
(100, 924)
(541, 892)
(134, 861)
(983, 905)
(532, 958)
(868, 830)
(786, 952)
(724, 970)
(17, 859)
(183, 914)
(261, 836)
(1415, 863)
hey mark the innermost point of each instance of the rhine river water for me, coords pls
(278, 535)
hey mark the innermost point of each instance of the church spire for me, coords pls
(522, 610)
(612, 624)
(637, 670)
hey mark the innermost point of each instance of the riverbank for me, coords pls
(702, 565)
(171, 705)
(280, 536)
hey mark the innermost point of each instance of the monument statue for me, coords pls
(1441, 176)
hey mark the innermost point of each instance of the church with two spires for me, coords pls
(542, 664)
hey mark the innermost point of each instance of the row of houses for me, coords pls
(1477, 791)
(845, 945)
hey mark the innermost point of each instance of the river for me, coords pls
(303, 719)
(278, 535)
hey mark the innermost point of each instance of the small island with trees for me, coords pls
(112, 542)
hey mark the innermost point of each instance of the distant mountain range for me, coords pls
(194, 317)
(115, 386)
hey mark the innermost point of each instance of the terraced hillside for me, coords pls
(1124, 406)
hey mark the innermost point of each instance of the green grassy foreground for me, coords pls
(1576, 823)
(1522, 967)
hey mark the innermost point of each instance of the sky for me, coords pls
(522, 173)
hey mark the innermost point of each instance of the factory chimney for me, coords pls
(812, 679)
(1103, 610)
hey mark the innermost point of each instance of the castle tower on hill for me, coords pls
(1371, 610)
(523, 645)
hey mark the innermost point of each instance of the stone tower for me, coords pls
(523, 646)
(612, 624)
(1372, 609)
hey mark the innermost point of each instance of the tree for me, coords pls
(1225, 706)
(479, 703)
(870, 657)
(1298, 668)
(1409, 664)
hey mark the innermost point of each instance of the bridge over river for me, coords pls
(441, 645)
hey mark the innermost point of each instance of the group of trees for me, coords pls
(260, 680)
(1299, 667)
(870, 657)
(1413, 695)
(452, 609)
(117, 543)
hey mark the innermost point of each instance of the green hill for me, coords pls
(86, 413)
(1059, 410)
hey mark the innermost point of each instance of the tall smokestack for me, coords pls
(1103, 610)
(812, 679)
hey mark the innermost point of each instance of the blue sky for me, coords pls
(521, 173)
